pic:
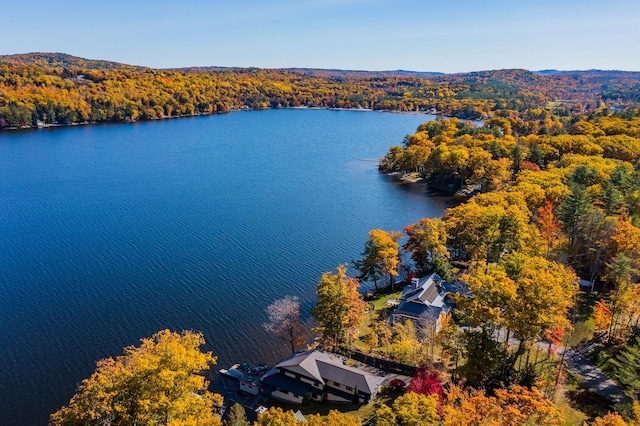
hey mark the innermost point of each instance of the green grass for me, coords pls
(584, 305)
(572, 416)
(323, 408)
(379, 306)
(579, 404)
(379, 303)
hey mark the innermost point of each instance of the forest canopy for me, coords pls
(58, 89)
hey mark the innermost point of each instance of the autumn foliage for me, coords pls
(157, 383)
(426, 382)
(338, 309)
(284, 321)
(515, 406)
(602, 315)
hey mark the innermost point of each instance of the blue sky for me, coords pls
(420, 35)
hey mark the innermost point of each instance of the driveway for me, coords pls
(593, 378)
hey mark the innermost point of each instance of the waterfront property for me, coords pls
(321, 376)
(118, 231)
(425, 299)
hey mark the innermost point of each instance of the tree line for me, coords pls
(550, 208)
(61, 89)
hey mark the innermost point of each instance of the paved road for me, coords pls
(593, 378)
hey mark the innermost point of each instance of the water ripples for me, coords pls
(111, 233)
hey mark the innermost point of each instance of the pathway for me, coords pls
(593, 378)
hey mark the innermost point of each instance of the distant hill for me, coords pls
(327, 73)
(361, 73)
(62, 60)
(56, 89)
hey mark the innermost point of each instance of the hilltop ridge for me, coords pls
(60, 89)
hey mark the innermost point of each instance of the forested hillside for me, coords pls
(557, 202)
(54, 88)
(547, 245)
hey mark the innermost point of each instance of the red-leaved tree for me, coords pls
(426, 382)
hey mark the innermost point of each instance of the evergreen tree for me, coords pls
(237, 416)
(575, 208)
(627, 364)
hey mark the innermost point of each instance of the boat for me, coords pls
(234, 372)
(248, 376)
(245, 371)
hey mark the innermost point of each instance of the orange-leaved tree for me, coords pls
(515, 406)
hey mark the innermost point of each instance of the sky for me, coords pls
(375, 35)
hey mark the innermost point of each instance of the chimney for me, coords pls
(415, 282)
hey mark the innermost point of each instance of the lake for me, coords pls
(113, 232)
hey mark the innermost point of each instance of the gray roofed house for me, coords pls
(426, 297)
(320, 376)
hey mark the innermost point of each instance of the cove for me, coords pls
(113, 232)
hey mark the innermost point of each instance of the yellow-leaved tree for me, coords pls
(334, 418)
(276, 416)
(526, 295)
(426, 242)
(157, 383)
(338, 309)
(380, 256)
(413, 409)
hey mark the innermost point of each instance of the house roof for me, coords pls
(428, 298)
(303, 363)
(429, 291)
(416, 310)
(323, 366)
(352, 377)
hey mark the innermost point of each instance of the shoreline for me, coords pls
(128, 121)
(402, 178)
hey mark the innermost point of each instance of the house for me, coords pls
(320, 376)
(426, 298)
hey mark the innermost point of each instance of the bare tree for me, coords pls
(284, 321)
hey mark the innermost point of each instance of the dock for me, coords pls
(241, 383)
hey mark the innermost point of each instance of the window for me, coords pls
(349, 388)
(336, 384)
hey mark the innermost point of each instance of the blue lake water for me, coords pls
(110, 233)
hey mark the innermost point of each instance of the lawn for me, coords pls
(379, 305)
